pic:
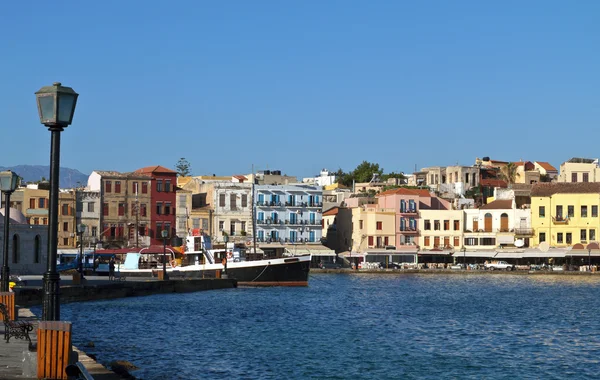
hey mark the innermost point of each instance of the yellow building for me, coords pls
(564, 214)
(579, 170)
(373, 227)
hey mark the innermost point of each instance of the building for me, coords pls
(271, 177)
(579, 170)
(373, 228)
(232, 211)
(125, 200)
(67, 219)
(527, 172)
(88, 214)
(32, 201)
(563, 214)
(547, 171)
(440, 229)
(162, 200)
(335, 195)
(325, 178)
(28, 244)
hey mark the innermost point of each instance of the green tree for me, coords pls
(509, 173)
(343, 178)
(183, 167)
(365, 171)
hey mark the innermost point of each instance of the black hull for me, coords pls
(285, 274)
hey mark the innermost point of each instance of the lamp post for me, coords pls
(464, 251)
(80, 230)
(8, 183)
(590, 259)
(164, 234)
(94, 242)
(56, 106)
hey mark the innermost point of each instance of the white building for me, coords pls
(28, 244)
(325, 178)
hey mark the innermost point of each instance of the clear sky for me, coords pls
(303, 85)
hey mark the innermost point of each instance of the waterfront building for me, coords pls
(325, 178)
(27, 245)
(564, 214)
(579, 170)
(440, 229)
(88, 213)
(32, 201)
(270, 177)
(67, 221)
(450, 181)
(162, 201)
(125, 199)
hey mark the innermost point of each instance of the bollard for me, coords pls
(53, 349)
(8, 299)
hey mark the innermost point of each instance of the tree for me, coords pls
(509, 173)
(183, 167)
(364, 172)
(343, 178)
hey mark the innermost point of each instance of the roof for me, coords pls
(500, 204)
(498, 162)
(155, 169)
(240, 177)
(546, 166)
(579, 160)
(406, 191)
(490, 182)
(331, 211)
(548, 189)
(113, 174)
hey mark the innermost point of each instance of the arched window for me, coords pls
(16, 249)
(488, 222)
(504, 222)
(37, 249)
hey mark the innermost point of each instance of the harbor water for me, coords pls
(356, 326)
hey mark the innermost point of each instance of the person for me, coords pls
(111, 269)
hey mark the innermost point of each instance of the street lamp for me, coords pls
(164, 234)
(464, 251)
(9, 181)
(590, 259)
(94, 243)
(56, 106)
(80, 231)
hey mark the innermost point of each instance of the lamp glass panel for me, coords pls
(5, 180)
(46, 104)
(164, 233)
(15, 182)
(66, 103)
(81, 228)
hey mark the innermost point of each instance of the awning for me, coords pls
(436, 253)
(505, 239)
(488, 254)
(508, 255)
(545, 255)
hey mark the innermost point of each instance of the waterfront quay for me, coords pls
(17, 361)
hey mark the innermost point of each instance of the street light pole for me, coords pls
(8, 183)
(590, 259)
(464, 249)
(56, 106)
(164, 234)
(80, 231)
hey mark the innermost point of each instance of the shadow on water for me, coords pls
(356, 326)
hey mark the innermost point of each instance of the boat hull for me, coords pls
(291, 271)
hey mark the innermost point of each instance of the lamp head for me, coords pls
(56, 105)
(9, 181)
(164, 233)
(81, 228)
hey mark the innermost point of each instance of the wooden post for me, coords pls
(8, 299)
(53, 349)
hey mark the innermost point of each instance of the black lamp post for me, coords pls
(164, 234)
(464, 251)
(80, 231)
(94, 243)
(9, 181)
(590, 259)
(56, 106)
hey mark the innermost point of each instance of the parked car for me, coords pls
(457, 266)
(499, 265)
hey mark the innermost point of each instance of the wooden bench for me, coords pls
(17, 329)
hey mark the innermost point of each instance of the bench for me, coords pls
(17, 329)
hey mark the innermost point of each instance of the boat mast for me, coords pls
(253, 211)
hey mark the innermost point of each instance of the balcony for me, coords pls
(315, 204)
(408, 211)
(408, 230)
(269, 204)
(560, 220)
(524, 231)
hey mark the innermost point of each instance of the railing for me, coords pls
(560, 220)
(408, 211)
(524, 231)
(408, 229)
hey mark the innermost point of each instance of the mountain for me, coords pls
(69, 178)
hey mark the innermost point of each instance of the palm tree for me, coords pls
(509, 173)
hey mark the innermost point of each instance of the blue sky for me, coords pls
(302, 85)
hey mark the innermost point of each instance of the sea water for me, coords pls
(356, 326)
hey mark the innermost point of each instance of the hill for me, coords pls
(69, 178)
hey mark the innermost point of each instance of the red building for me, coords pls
(162, 200)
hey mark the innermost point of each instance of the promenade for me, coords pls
(17, 362)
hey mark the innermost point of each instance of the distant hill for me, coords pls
(69, 178)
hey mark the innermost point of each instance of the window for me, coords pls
(456, 225)
(168, 229)
(134, 187)
(121, 209)
(232, 201)
(158, 208)
(559, 238)
(221, 200)
(143, 209)
(117, 186)
(196, 223)
(542, 237)
(66, 226)
(65, 209)
(446, 225)
(32, 202)
(471, 241)
(585, 177)
(158, 230)
(370, 241)
(427, 225)
(475, 224)
(584, 211)
(45, 221)
(94, 231)
(426, 241)
(488, 241)
(205, 223)
(232, 228)
(583, 235)
(159, 185)
(360, 224)
(65, 241)
(133, 209)
(559, 212)
(573, 177)
(107, 186)
(569, 238)
(592, 234)
(144, 187)
(456, 241)
(571, 211)
(436, 225)
(90, 206)
(379, 225)
(243, 227)
(594, 211)
(244, 200)
(168, 208)
(221, 225)
(42, 203)
(36, 221)
(542, 211)
(167, 185)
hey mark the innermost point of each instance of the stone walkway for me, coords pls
(17, 362)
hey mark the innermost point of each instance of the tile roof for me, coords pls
(546, 166)
(499, 204)
(113, 174)
(240, 177)
(332, 211)
(405, 191)
(547, 189)
(493, 182)
(155, 169)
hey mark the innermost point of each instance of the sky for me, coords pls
(303, 85)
